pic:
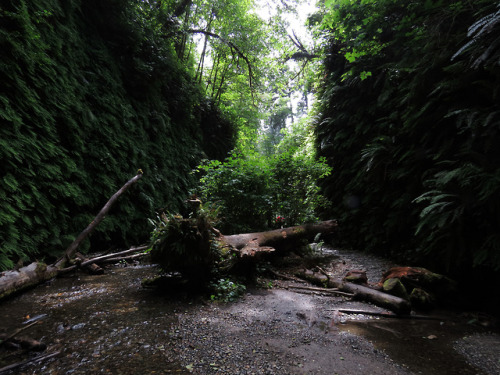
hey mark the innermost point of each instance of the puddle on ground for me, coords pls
(421, 346)
(100, 324)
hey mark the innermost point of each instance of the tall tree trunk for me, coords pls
(199, 71)
(182, 45)
(213, 77)
(218, 93)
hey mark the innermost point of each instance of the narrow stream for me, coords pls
(110, 324)
(101, 324)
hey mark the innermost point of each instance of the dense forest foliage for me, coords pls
(409, 119)
(90, 92)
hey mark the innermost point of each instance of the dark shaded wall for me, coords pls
(90, 91)
(410, 127)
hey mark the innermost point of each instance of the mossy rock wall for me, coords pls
(89, 93)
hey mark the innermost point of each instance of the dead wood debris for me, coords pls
(333, 291)
(43, 357)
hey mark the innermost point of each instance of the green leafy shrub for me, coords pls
(241, 186)
(252, 190)
(225, 290)
(296, 195)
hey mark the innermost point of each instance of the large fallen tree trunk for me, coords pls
(186, 245)
(37, 272)
(251, 244)
(26, 277)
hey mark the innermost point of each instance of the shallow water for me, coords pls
(422, 346)
(101, 324)
(111, 324)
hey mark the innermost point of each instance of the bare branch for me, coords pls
(295, 40)
(70, 251)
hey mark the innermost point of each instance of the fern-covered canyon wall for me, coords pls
(91, 91)
(410, 123)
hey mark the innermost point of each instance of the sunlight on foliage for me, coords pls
(252, 189)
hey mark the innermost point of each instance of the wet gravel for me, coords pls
(110, 324)
(274, 332)
(481, 350)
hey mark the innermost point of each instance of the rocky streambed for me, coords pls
(111, 324)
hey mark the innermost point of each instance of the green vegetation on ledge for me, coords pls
(410, 122)
(90, 92)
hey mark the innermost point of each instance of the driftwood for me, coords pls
(389, 314)
(286, 277)
(25, 343)
(393, 303)
(70, 251)
(334, 291)
(36, 273)
(6, 337)
(126, 258)
(108, 258)
(44, 357)
(115, 256)
(91, 267)
(279, 240)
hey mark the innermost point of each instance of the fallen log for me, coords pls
(6, 337)
(26, 343)
(192, 247)
(71, 250)
(108, 258)
(279, 239)
(250, 247)
(36, 273)
(102, 258)
(285, 277)
(125, 258)
(91, 267)
(393, 303)
(25, 277)
(389, 314)
(396, 304)
(333, 291)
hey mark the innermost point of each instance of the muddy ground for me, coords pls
(111, 324)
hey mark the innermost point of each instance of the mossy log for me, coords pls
(365, 293)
